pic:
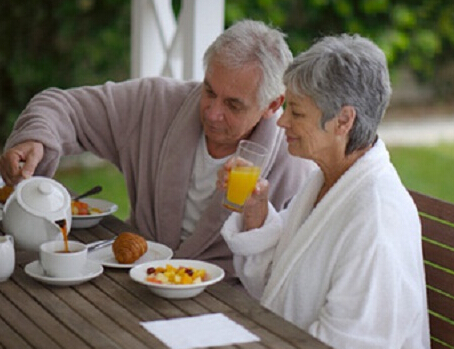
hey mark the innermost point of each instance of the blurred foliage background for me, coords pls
(48, 43)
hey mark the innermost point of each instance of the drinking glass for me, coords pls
(249, 159)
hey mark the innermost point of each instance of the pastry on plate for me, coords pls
(129, 247)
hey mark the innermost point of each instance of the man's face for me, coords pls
(229, 108)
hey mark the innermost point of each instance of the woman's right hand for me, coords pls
(223, 174)
(20, 162)
(255, 209)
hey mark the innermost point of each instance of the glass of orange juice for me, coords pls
(249, 159)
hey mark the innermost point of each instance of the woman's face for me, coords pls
(305, 136)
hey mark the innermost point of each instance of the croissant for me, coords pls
(129, 247)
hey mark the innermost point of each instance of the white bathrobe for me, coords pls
(349, 271)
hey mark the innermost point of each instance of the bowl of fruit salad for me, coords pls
(88, 212)
(177, 278)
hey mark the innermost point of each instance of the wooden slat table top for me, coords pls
(106, 312)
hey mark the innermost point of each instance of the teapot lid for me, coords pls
(43, 196)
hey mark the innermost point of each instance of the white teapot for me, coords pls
(35, 212)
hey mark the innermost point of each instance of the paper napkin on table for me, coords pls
(199, 331)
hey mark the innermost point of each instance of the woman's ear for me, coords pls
(273, 107)
(345, 119)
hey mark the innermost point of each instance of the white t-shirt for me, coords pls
(201, 188)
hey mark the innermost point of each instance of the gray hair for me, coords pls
(344, 70)
(247, 42)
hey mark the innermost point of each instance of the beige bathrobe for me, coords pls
(149, 128)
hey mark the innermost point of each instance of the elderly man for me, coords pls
(169, 138)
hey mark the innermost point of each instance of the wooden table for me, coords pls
(105, 312)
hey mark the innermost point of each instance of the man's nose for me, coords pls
(215, 111)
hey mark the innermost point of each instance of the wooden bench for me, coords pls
(437, 219)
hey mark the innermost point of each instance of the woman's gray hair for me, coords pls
(344, 70)
(247, 42)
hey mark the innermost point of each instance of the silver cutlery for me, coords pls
(100, 244)
(92, 191)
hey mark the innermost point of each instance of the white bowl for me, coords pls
(88, 221)
(215, 274)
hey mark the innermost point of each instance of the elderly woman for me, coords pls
(344, 260)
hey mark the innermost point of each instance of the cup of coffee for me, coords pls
(58, 262)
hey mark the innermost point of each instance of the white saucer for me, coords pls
(105, 256)
(91, 270)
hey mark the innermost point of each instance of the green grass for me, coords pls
(81, 179)
(429, 170)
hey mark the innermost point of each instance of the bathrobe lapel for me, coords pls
(175, 167)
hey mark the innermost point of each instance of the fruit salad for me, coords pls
(171, 275)
(83, 209)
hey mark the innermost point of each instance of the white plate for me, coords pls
(35, 270)
(88, 221)
(215, 274)
(105, 255)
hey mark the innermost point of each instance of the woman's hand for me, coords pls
(255, 208)
(223, 174)
(20, 161)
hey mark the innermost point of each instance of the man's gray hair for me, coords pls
(247, 42)
(344, 70)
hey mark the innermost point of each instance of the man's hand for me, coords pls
(20, 162)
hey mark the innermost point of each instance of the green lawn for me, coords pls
(429, 170)
(83, 178)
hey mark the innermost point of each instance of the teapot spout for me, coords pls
(61, 223)
(55, 229)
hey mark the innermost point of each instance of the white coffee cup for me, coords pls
(60, 264)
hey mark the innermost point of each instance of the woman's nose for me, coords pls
(283, 121)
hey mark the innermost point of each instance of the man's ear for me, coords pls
(273, 107)
(345, 120)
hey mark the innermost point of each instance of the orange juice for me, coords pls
(242, 181)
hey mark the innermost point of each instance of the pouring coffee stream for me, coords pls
(62, 224)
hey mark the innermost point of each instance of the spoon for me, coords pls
(92, 191)
(100, 244)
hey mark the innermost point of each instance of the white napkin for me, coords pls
(199, 331)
